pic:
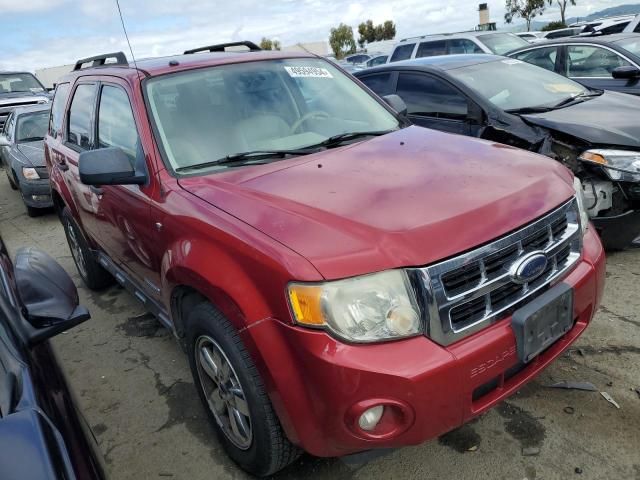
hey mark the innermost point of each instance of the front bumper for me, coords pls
(316, 383)
(619, 231)
(36, 193)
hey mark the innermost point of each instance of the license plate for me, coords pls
(541, 322)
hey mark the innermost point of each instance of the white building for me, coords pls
(49, 76)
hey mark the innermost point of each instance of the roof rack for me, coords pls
(221, 47)
(101, 60)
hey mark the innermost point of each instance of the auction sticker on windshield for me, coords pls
(308, 72)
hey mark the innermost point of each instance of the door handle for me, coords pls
(96, 190)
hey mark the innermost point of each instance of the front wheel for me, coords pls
(12, 179)
(93, 274)
(233, 394)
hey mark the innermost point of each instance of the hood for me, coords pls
(33, 152)
(610, 119)
(408, 198)
(10, 98)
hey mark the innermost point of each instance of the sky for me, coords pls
(45, 33)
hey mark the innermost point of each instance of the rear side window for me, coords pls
(428, 96)
(432, 49)
(80, 116)
(402, 52)
(463, 45)
(541, 57)
(380, 83)
(116, 126)
(57, 109)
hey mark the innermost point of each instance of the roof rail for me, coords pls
(222, 46)
(100, 60)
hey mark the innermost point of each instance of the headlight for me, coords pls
(620, 165)
(370, 308)
(30, 173)
(584, 216)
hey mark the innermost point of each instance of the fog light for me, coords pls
(370, 418)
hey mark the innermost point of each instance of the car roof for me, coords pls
(440, 36)
(14, 72)
(151, 67)
(42, 107)
(441, 62)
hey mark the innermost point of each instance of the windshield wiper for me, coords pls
(254, 157)
(30, 139)
(525, 110)
(580, 97)
(336, 140)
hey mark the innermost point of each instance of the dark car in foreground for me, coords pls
(594, 133)
(43, 435)
(22, 154)
(610, 62)
(19, 89)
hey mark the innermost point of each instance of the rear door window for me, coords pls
(402, 52)
(463, 45)
(379, 83)
(116, 126)
(429, 96)
(432, 49)
(541, 57)
(57, 109)
(589, 61)
(80, 134)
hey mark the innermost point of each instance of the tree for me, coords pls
(268, 44)
(342, 41)
(563, 7)
(526, 9)
(553, 26)
(375, 33)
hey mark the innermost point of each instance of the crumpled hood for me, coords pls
(610, 119)
(33, 152)
(408, 198)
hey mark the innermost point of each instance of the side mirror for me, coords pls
(627, 72)
(4, 141)
(395, 102)
(108, 166)
(49, 298)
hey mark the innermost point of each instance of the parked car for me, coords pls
(456, 43)
(22, 154)
(19, 89)
(559, 33)
(356, 58)
(530, 37)
(320, 259)
(376, 60)
(634, 26)
(611, 62)
(594, 133)
(43, 435)
(607, 26)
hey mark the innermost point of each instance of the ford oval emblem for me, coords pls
(529, 267)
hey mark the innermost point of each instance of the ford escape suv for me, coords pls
(340, 280)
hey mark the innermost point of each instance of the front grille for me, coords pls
(468, 292)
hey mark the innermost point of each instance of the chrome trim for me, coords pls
(440, 303)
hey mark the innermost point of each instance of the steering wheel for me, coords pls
(313, 114)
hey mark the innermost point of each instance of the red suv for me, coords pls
(341, 281)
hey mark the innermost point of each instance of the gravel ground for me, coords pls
(133, 383)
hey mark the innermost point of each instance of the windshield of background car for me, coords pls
(32, 126)
(510, 84)
(19, 82)
(207, 114)
(631, 44)
(501, 43)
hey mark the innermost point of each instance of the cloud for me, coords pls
(19, 6)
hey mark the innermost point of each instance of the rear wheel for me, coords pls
(93, 274)
(233, 394)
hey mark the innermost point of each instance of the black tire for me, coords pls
(269, 449)
(32, 212)
(93, 274)
(12, 179)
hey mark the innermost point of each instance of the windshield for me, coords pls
(510, 84)
(32, 127)
(631, 44)
(501, 43)
(19, 82)
(209, 114)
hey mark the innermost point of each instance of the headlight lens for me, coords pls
(30, 173)
(584, 216)
(619, 165)
(370, 308)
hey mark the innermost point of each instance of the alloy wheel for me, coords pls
(223, 392)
